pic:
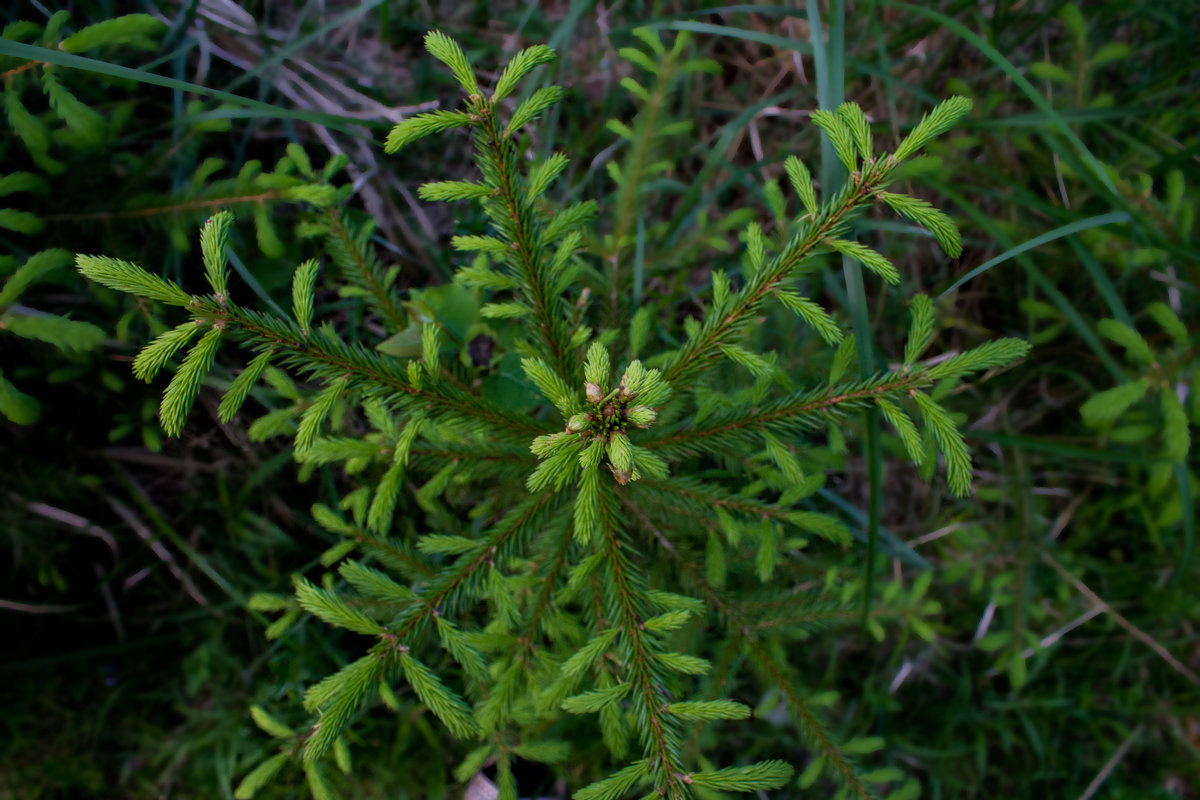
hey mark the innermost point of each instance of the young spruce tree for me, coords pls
(533, 600)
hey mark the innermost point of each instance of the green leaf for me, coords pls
(509, 310)
(317, 785)
(801, 181)
(544, 752)
(461, 650)
(140, 30)
(921, 331)
(374, 584)
(845, 356)
(304, 283)
(766, 557)
(316, 413)
(909, 436)
(345, 688)
(591, 702)
(932, 125)
(341, 755)
(418, 127)
(1169, 321)
(670, 621)
(1176, 437)
(995, 353)
(213, 239)
(716, 568)
(81, 119)
(840, 136)
(586, 514)
(520, 66)
(709, 709)
(950, 442)
(448, 51)
(260, 776)
(36, 267)
(16, 406)
(181, 392)
(531, 108)
(1109, 52)
(758, 365)
(446, 544)
(863, 745)
(615, 785)
(300, 158)
(868, 258)
(784, 459)
(20, 221)
(1044, 70)
(1109, 405)
(331, 609)
(821, 525)
(596, 367)
(854, 118)
(585, 657)
(28, 128)
(65, 334)
(543, 174)
(559, 468)
(813, 314)
(447, 706)
(755, 778)
(552, 387)
(264, 601)
(22, 182)
(1136, 348)
(451, 191)
(685, 664)
(239, 387)
(269, 724)
(155, 355)
(383, 503)
(126, 277)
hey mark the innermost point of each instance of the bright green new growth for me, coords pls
(213, 239)
(534, 595)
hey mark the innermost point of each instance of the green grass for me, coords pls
(1062, 230)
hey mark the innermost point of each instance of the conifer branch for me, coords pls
(444, 592)
(684, 495)
(550, 583)
(806, 409)
(627, 612)
(369, 373)
(765, 658)
(584, 485)
(642, 143)
(720, 327)
(519, 220)
(394, 556)
(361, 268)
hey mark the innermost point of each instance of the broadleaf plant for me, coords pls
(530, 602)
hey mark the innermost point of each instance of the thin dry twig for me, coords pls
(1111, 764)
(1136, 632)
(37, 608)
(159, 549)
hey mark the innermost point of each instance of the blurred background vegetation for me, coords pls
(1044, 645)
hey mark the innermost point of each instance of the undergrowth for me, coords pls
(1034, 638)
